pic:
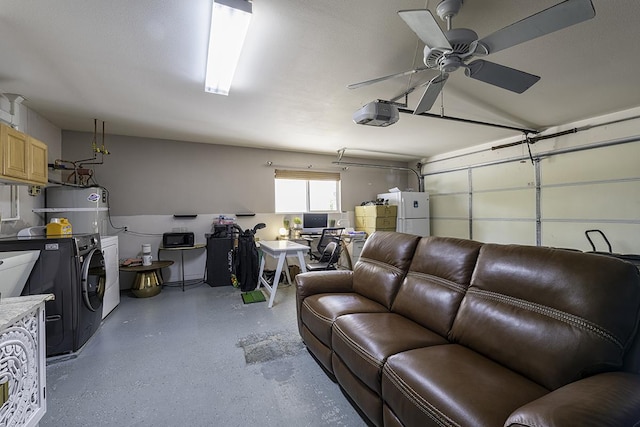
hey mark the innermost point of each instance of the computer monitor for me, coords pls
(314, 222)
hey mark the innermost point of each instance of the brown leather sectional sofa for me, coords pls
(447, 332)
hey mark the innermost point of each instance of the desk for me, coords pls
(182, 249)
(280, 250)
(147, 283)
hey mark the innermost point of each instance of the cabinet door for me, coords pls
(15, 152)
(37, 161)
(22, 354)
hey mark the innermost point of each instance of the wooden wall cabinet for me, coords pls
(23, 158)
(15, 150)
(37, 164)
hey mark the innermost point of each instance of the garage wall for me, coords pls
(152, 176)
(150, 180)
(585, 180)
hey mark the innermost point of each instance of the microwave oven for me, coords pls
(178, 240)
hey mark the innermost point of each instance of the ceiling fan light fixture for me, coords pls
(229, 25)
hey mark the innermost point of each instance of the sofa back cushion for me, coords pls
(552, 315)
(383, 263)
(437, 280)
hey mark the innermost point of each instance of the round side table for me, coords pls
(147, 282)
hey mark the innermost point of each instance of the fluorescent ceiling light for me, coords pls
(229, 25)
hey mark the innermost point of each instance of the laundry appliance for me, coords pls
(73, 269)
(413, 211)
(87, 209)
(109, 245)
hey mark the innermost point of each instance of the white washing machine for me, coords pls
(109, 246)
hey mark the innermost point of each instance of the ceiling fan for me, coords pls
(453, 49)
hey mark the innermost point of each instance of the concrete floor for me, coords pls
(195, 358)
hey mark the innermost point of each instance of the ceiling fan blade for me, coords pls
(422, 22)
(555, 18)
(381, 79)
(501, 76)
(431, 93)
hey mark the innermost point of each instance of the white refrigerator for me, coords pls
(413, 211)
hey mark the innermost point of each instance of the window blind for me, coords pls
(307, 175)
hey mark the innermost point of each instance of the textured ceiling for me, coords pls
(139, 66)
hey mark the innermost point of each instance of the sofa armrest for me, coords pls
(609, 399)
(321, 282)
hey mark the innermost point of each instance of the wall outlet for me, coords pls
(35, 190)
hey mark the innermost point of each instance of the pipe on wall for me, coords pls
(401, 168)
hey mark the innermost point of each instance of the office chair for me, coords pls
(328, 235)
(328, 259)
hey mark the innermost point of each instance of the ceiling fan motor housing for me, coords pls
(447, 60)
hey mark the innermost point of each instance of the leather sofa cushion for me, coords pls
(383, 264)
(318, 312)
(437, 280)
(389, 418)
(363, 341)
(450, 385)
(553, 324)
(366, 400)
(609, 399)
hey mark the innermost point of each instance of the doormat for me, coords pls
(265, 347)
(253, 296)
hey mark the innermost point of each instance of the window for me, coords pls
(306, 191)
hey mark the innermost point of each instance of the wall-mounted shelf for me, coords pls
(50, 210)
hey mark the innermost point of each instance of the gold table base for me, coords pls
(147, 282)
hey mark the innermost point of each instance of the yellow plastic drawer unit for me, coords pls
(386, 211)
(377, 223)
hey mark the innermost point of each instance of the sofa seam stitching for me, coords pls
(429, 409)
(315, 313)
(382, 264)
(562, 316)
(359, 349)
(441, 281)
